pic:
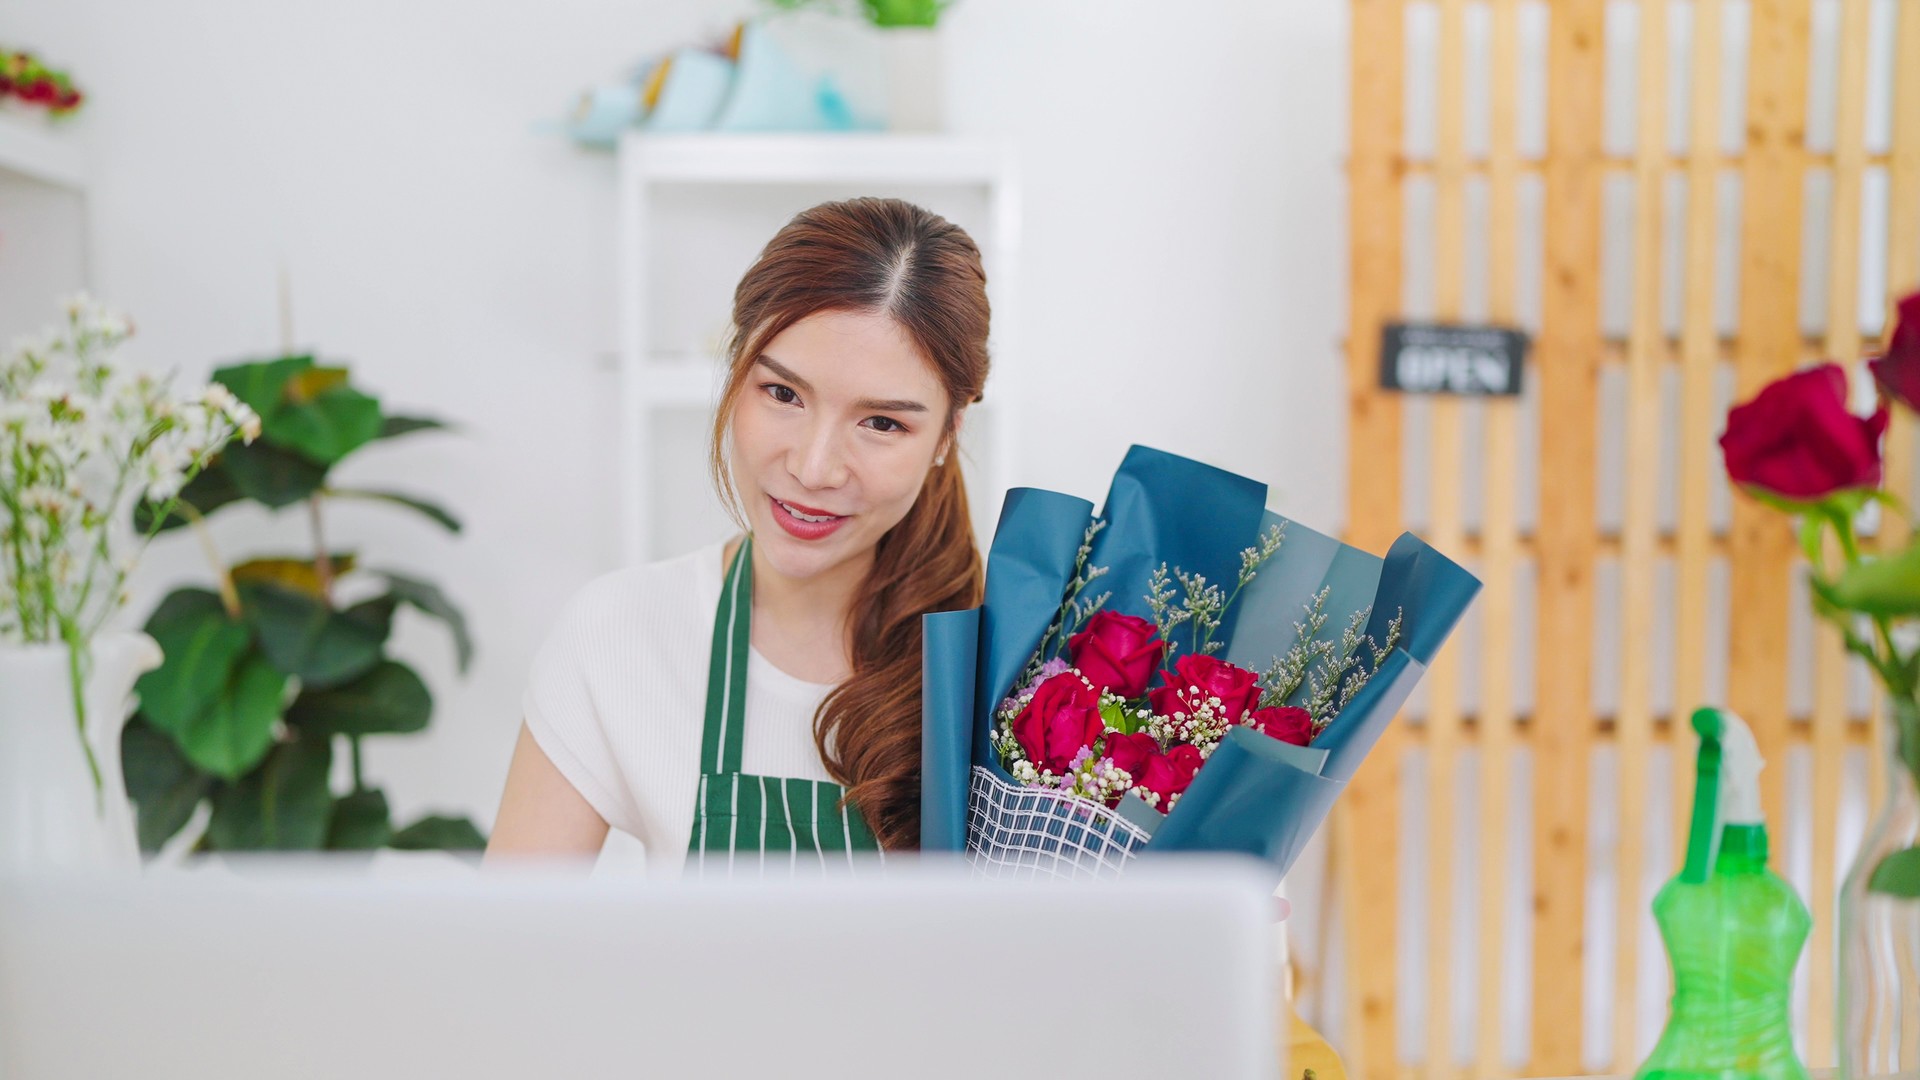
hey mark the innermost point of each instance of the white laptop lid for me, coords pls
(286, 972)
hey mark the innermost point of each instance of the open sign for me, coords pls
(1442, 358)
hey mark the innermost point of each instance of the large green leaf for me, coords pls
(262, 384)
(163, 784)
(394, 426)
(303, 637)
(1898, 874)
(300, 575)
(388, 699)
(284, 805)
(211, 489)
(335, 423)
(232, 734)
(427, 597)
(439, 514)
(1883, 586)
(271, 476)
(438, 833)
(202, 646)
(361, 822)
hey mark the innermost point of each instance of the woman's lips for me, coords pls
(805, 530)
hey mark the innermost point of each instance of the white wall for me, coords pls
(1183, 282)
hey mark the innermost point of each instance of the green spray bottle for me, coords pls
(1733, 928)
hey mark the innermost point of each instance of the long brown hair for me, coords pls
(891, 257)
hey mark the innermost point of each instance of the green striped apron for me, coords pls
(744, 821)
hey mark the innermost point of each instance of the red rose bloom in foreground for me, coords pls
(1797, 440)
(1898, 372)
(1117, 652)
(1062, 717)
(1169, 774)
(1288, 723)
(1237, 688)
(1131, 752)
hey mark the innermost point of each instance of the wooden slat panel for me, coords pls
(1699, 419)
(1831, 666)
(1762, 539)
(1444, 498)
(1500, 551)
(1639, 526)
(1569, 353)
(1367, 824)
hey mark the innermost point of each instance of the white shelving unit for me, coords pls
(30, 150)
(44, 220)
(655, 379)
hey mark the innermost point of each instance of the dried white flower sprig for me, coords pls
(80, 442)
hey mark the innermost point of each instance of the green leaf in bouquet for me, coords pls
(163, 784)
(438, 513)
(210, 489)
(304, 637)
(201, 645)
(437, 833)
(299, 575)
(262, 384)
(282, 806)
(271, 476)
(361, 822)
(428, 598)
(390, 699)
(1898, 874)
(1117, 717)
(233, 733)
(1881, 586)
(336, 422)
(395, 426)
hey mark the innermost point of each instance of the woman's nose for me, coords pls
(819, 462)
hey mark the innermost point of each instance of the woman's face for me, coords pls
(840, 417)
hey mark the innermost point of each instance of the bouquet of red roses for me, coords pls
(1221, 707)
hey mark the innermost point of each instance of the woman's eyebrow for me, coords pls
(787, 373)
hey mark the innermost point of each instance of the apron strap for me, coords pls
(727, 667)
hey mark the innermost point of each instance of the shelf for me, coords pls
(29, 148)
(792, 158)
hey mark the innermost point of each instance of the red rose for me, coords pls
(1117, 652)
(1898, 372)
(1169, 774)
(1797, 440)
(1131, 752)
(1288, 723)
(1062, 717)
(1237, 688)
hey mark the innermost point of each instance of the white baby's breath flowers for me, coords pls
(80, 440)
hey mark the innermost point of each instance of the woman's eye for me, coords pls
(776, 390)
(897, 425)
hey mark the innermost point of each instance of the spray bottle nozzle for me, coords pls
(1727, 791)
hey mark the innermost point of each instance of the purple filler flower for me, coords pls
(1047, 671)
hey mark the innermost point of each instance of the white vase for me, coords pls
(52, 816)
(915, 74)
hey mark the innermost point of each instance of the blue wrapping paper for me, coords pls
(1255, 795)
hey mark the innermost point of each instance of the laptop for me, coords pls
(298, 967)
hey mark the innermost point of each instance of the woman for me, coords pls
(762, 694)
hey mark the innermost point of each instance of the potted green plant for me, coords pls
(272, 669)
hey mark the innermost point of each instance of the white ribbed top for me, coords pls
(617, 697)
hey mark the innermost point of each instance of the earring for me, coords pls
(941, 460)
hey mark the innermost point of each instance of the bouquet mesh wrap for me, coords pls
(1015, 830)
